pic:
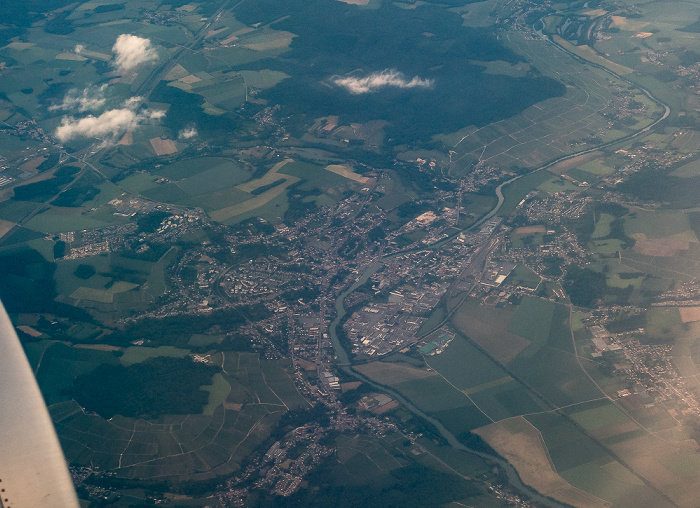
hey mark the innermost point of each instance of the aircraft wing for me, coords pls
(33, 470)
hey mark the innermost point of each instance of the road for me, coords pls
(149, 84)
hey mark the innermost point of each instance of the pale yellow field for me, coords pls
(632, 25)
(528, 230)
(32, 164)
(20, 45)
(95, 295)
(70, 56)
(96, 55)
(253, 203)
(689, 314)
(564, 166)
(187, 8)
(273, 44)
(229, 40)
(98, 347)
(267, 179)
(521, 444)
(346, 171)
(163, 146)
(5, 227)
(670, 467)
(127, 139)
(212, 33)
(589, 54)
(115, 22)
(664, 247)
(596, 13)
(176, 72)
(243, 31)
(355, 2)
(189, 79)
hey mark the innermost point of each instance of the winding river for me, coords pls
(342, 356)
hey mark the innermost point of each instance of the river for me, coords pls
(342, 356)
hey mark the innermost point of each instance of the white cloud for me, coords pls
(133, 102)
(187, 133)
(130, 51)
(377, 80)
(108, 126)
(79, 48)
(90, 99)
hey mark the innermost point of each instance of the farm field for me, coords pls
(246, 146)
(517, 190)
(452, 407)
(488, 327)
(545, 132)
(583, 463)
(138, 354)
(519, 442)
(486, 384)
(212, 443)
(642, 460)
(523, 276)
(536, 334)
(659, 225)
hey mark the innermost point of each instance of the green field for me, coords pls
(384, 459)
(596, 168)
(523, 276)
(15, 211)
(533, 321)
(183, 446)
(156, 279)
(487, 385)
(264, 78)
(690, 170)
(569, 448)
(204, 340)
(137, 183)
(658, 224)
(102, 295)
(218, 392)
(218, 200)
(602, 225)
(620, 277)
(516, 191)
(464, 366)
(138, 354)
(663, 323)
(59, 365)
(488, 327)
(66, 280)
(547, 366)
(596, 416)
(431, 393)
(210, 180)
(555, 185)
(59, 219)
(608, 246)
(189, 167)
